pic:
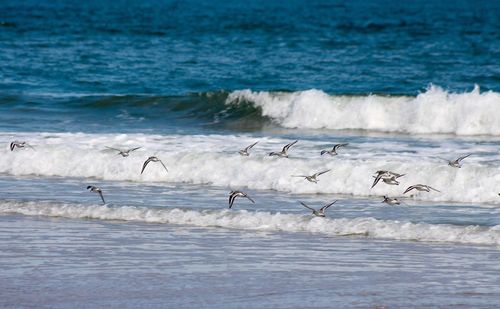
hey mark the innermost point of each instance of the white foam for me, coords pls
(214, 160)
(434, 111)
(265, 221)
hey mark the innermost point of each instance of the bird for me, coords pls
(391, 201)
(244, 152)
(18, 144)
(456, 163)
(420, 187)
(333, 152)
(321, 211)
(124, 153)
(97, 190)
(152, 159)
(234, 194)
(313, 177)
(387, 177)
(283, 153)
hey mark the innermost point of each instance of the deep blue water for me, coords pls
(54, 52)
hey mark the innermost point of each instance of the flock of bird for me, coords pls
(387, 177)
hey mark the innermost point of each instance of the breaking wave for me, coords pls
(265, 221)
(435, 111)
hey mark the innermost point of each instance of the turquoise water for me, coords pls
(408, 85)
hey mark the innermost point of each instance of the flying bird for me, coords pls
(244, 152)
(283, 153)
(321, 211)
(333, 152)
(234, 194)
(391, 201)
(152, 159)
(420, 187)
(97, 190)
(456, 163)
(313, 177)
(388, 177)
(18, 144)
(123, 153)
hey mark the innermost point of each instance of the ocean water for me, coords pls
(407, 85)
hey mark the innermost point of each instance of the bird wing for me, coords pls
(409, 189)
(133, 149)
(12, 145)
(102, 197)
(163, 165)
(113, 148)
(287, 146)
(461, 158)
(377, 179)
(249, 147)
(145, 164)
(326, 206)
(248, 197)
(321, 173)
(232, 197)
(433, 189)
(339, 145)
(302, 203)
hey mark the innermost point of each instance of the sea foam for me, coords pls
(208, 160)
(265, 221)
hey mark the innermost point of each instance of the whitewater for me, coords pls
(434, 111)
(265, 221)
(213, 159)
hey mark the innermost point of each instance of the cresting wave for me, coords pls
(434, 111)
(214, 160)
(265, 221)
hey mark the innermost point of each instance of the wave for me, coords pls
(433, 111)
(265, 221)
(214, 160)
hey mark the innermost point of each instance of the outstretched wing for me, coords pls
(116, 149)
(461, 158)
(248, 197)
(145, 164)
(102, 197)
(339, 145)
(249, 147)
(326, 206)
(303, 204)
(377, 179)
(321, 173)
(409, 189)
(163, 165)
(133, 149)
(232, 196)
(433, 189)
(287, 146)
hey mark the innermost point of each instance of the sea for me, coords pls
(408, 85)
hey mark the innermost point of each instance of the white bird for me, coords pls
(387, 177)
(234, 194)
(97, 190)
(152, 159)
(321, 211)
(244, 152)
(420, 187)
(391, 201)
(333, 152)
(313, 177)
(124, 153)
(283, 153)
(18, 144)
(456, 163)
